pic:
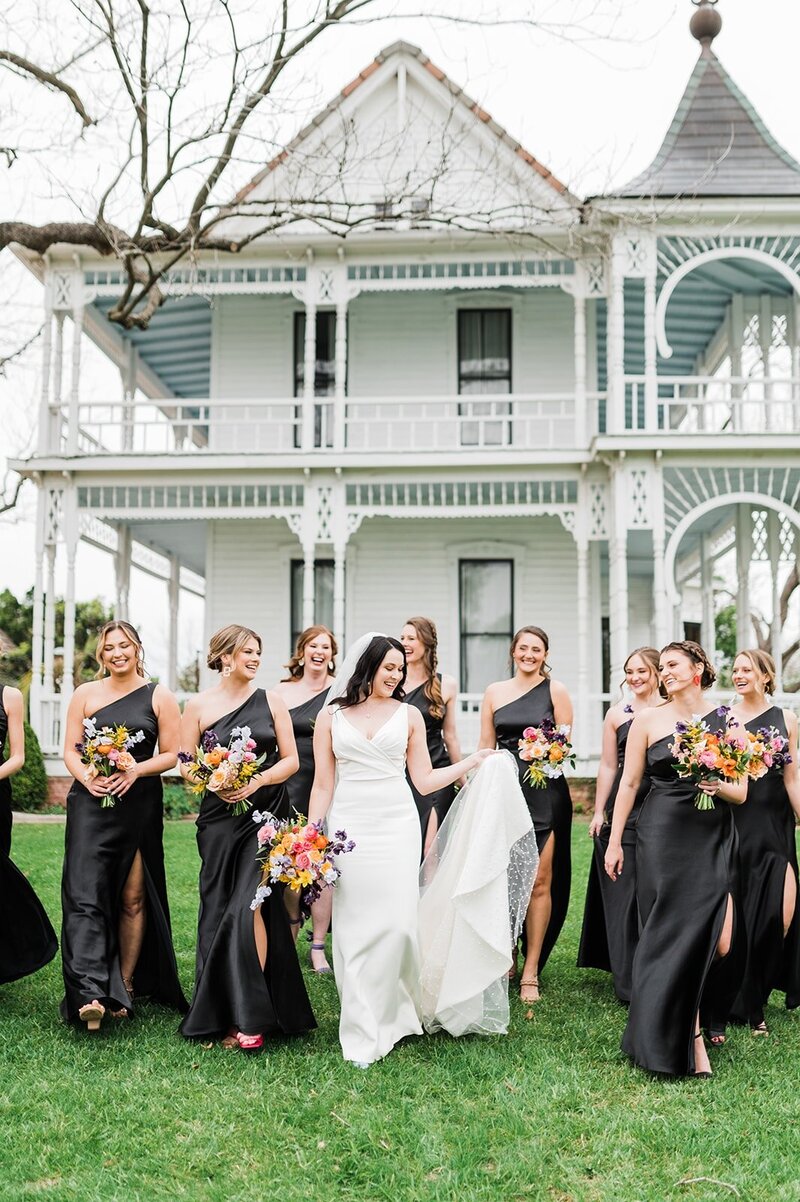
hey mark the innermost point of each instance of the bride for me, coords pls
(363, 740)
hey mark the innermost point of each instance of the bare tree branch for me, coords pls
(49, 80)
(9, 500)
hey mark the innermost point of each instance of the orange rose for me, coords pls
(125, 761)
(556, 754)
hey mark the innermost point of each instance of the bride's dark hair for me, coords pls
(359, 685)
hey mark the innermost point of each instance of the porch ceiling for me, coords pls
(176, 345)
(696, 310)
(186, 539)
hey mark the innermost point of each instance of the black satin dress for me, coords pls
(100, 847)
(442, 799)
(766, 828)
(550, 808)
(232, 991)
(304, 719)
(686, 867)
(611, 919)
(27, 939)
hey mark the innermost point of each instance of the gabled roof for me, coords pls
(407, 49)
(717, 145)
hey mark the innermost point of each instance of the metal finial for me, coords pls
(706, 22)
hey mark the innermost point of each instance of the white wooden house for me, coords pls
(491, 403)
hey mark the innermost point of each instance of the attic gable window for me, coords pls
(384, 210)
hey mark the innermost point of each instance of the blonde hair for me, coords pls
(651, 658)
(294, 666)
(538, 633)
(131, 632)
(229, 640)
(427, 635)
(762, 662)
(697, 655)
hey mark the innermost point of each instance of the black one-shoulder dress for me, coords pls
(27, 938)
(766, 828)
(100, 847)
(550, 808)
(610, 929)
(304, 719)
(686, 868)
(442, 799)
(232, 991)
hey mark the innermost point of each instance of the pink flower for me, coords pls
(767, 758)
(265, 834)
(113, 755)
(303, 861)
(250, 744)
(529, 732)
(707, 758)
(526, 756)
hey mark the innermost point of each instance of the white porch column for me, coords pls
(650, 359)
(57, 395)
(661, 627)
(71, 546)
(582, 433)
(340, 378)
(708, 625)
(776, 641)
(74, 394)
(50, 618)
(309, 583)
(744, 552)
(122, 572)
(128, 372)
(45, 416)
(618, 576)
(173, 596)
(37, 634)
(735, 339)
(309, 373)
(615, 409)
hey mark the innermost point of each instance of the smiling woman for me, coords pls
(248, 982)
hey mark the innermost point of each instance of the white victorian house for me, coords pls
(491, 403)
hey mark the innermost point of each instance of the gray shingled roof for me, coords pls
(717, 145)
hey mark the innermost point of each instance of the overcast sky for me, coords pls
(593, 110)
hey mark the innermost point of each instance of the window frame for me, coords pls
(465, 636)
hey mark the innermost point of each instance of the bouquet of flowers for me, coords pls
(216, 768)
(106, 751)
(296, 853)
(703, 755)
(768, 749)
(547, 750)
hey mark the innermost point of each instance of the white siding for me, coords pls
(252, 346)
(640, 606)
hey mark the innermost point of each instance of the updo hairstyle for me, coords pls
(538, 633)
(229, 641)
(295, 666)
(762, 662)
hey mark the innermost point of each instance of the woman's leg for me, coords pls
(536, 922)
(789, 899)
(132, 921)
(292, 902)
(320, 925)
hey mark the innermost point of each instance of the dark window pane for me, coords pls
(484, 368)
(323, 595)
(486, 620)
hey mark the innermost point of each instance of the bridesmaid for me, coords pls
(248, 982)
(767, 852)
(311, 670)
(687, 958)
(434, 696)
(115, 925)
(27, 939)
(610, 918)
(510, 706)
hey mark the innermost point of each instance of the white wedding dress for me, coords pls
(478, 879)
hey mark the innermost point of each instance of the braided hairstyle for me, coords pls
(698, 656)
(427, 635)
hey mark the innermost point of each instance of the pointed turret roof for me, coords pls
(717, 144)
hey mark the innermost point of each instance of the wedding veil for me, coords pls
(348, 665)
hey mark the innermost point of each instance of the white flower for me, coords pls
(262, 893)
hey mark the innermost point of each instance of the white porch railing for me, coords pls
(238, 425)
(713, 405)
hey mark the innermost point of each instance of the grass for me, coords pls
(551, 1112)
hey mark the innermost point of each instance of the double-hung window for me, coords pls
(324, 374)
(484, 369)
(486, 617)
(323, 595)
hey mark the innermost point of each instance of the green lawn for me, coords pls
(551, 1112)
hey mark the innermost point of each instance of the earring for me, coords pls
(301, 663)
(226, 669)
(697, 679)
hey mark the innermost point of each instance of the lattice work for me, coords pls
(327, 286)
(598, 511)
(780, 331)
(751, 336)
(54, 504)
(482, 272)
(636, 254)
(685, 489)
(595, 277)
(325, 515)
(639, 501)
(185, 280)
(675, 250)
(568, 518)
(353, 522)
(188, 500)
(760, 532)
(62, 289)
(467, 494)
(97, 532)
(787, 534)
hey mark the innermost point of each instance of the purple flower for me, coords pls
(185, 757)
(681, 728)
(210, 740)
(628, 709)
(723, 711)
(340, 835)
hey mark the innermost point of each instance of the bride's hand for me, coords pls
(478, 757)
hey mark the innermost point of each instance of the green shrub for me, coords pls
(178, 801)
(29, 786)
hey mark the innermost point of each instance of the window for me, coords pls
(323, 595)
(484, 367)
(324, 374)
(692, 631)
(486, 617)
